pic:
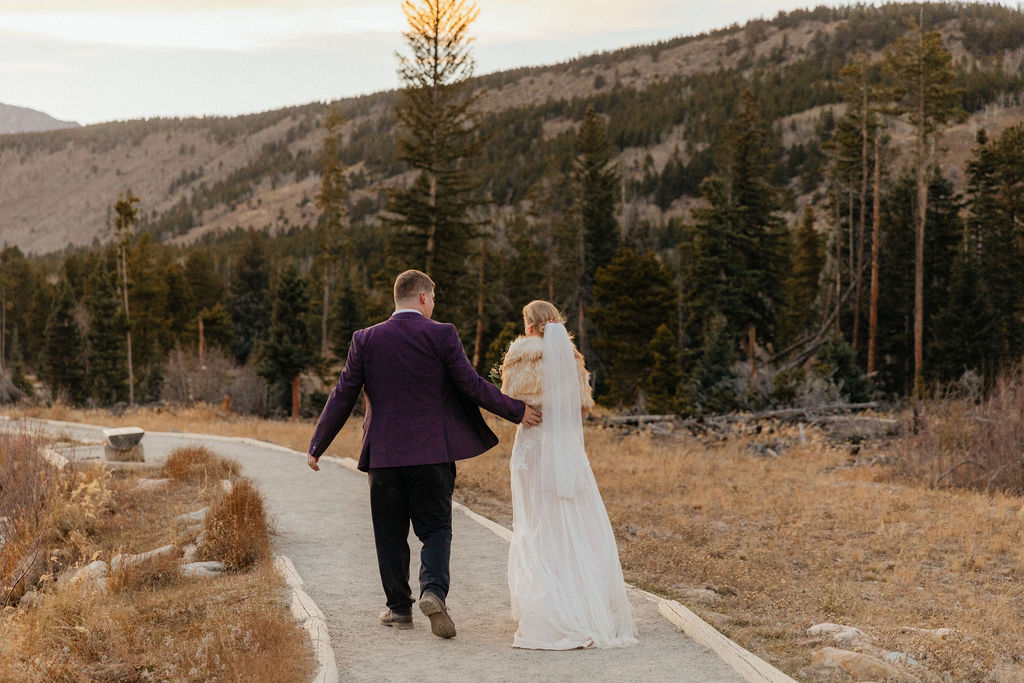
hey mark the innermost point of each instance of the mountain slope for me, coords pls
(24, 120)
(663, 102)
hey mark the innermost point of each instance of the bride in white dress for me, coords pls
(563, 564)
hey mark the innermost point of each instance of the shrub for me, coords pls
(197, 464)
(237, 532)
(962, 441)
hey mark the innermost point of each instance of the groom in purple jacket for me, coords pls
(422, 414)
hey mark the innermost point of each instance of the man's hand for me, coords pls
(311, 461)
(532, 417)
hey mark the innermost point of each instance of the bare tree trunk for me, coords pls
(323, 315)
(752, 351)
(432, 230)
(202, 345)
(922, 214)
(479, 342)
(296, 396)
(859, 280)
(3, 332)
(876, 227)
(128, 318)
(839, 268)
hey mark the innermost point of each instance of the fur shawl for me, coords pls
(522, 374)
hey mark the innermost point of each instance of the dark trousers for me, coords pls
(421, 494)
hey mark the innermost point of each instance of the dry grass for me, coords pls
(966, 442)
(237, 531)
(785, 542)
(152, 623)
(198, 464)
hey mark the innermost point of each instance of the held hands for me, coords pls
(532, 417)
(311, 461)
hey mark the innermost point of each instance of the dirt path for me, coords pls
(322, 522)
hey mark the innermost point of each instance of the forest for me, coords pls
(847, 264)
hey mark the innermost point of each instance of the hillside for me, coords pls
(662, 102)
(24, 120)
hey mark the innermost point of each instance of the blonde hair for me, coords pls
(539, 313)
(409, 284)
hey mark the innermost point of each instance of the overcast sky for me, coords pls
(101, 60)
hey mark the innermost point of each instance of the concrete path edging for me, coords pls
(312, 618)
(744, 663)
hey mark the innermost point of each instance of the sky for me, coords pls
(101, 60)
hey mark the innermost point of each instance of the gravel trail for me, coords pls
(322, 522)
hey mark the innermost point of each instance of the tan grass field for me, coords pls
(784, 543)
(152, 623)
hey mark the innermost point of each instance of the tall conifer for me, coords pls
(63, 348)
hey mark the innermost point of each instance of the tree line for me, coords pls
(889, 284)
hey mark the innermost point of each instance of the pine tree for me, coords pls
(331, 238)
(291, 345)
(635, 296)
(923, 75)
(439, 139)
(250, 292)
(107, 352)
(734, 253)
(662, 383)
(124, 225)
(63, 348)
(802, 282)
(595, 186)
(348, 317)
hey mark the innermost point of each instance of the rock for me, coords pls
(93, 574)
(860, 667)
(190, 553)
(226, 485)
(900, 659)
(29, 599)
(201, 539)
(197, 516)
(121, 561)
(702, 595)
(152, 484)
(53, 457)
(202, 568)
(843, 635)
(123, 438)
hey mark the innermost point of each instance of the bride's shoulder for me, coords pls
(525, 348)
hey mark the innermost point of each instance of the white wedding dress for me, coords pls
(563, 565)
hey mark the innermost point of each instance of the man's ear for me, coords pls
(423, 298)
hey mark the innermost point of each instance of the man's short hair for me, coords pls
(410, 283)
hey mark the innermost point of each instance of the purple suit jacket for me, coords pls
(422, 396)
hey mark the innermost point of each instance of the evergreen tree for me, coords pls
(291, 345)
(802, 282)
(662, 383)
(348, 317)
(968, 336)
(331, 240)
(635, 296)
(923, 75)
(439, 139)
(124, 226)
(595, 186)
(249, 296)
(63, 348)
(107, 351)
(734, 253)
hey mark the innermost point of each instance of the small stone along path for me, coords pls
(322, 524)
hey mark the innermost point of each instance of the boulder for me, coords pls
(197, 516)
(843, 635)
(202, 568)
(860, 666)
(123, 444)
(152, 484)
(121, 560)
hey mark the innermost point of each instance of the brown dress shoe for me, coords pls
(440, 622)
(400, 621)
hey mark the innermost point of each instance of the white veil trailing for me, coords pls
(563, 458)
